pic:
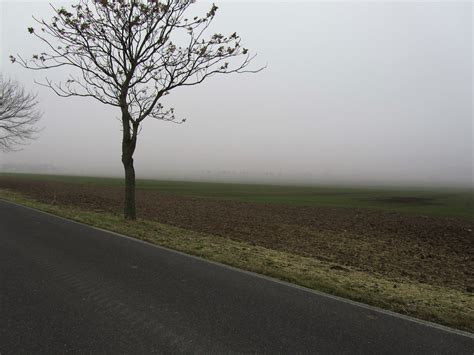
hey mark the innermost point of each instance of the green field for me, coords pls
(421, 201)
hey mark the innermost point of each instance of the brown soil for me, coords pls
(437, 251)
(408, 200)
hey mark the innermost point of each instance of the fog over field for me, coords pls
(354, 92)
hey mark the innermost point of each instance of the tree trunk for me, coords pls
(129, 208)
(129, 141)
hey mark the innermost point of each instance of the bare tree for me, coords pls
(18, 115)
(124, 54)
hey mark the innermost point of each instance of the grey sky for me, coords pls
(354, 92)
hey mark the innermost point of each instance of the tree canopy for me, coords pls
(125, 52)
(18, 115)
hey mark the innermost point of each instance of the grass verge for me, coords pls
(433, 303)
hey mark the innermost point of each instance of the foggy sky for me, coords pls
(354, 92)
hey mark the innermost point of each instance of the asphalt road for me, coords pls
(66, 287)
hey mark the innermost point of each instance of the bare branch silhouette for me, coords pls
(18, 115)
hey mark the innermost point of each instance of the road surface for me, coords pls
(66, 287)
